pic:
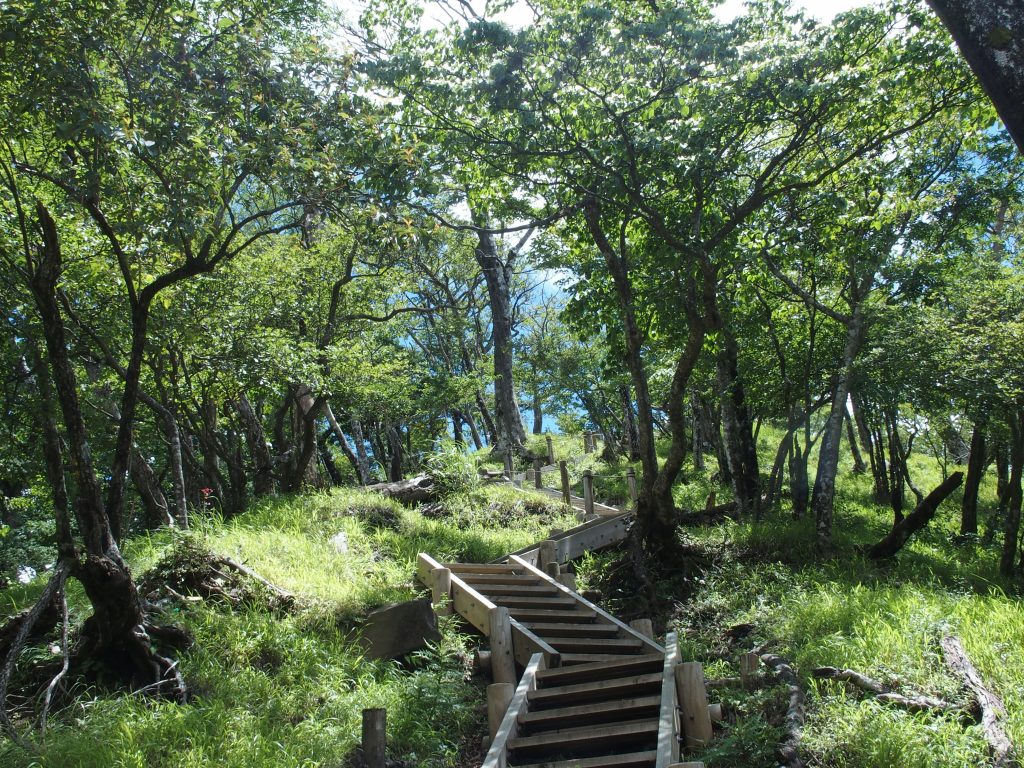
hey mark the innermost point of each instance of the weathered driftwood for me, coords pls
(414, 490)
(884, 693)
(991, 706)
(788, 750)
(916, 520)
(284, 595)
(709, 515)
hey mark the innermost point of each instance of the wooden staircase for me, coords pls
(593, 693)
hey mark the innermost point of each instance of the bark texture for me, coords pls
(916, 520)
(990, 34)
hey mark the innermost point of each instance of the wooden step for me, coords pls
(514, 590)
(575, 659)
(634, 686)
(632, 760)
(499, 578)
(572, 630)
(479, 568)
(626, 645)
(588, 714)
(590, 739)
(551, 603)
(548, 614)
(619, 667)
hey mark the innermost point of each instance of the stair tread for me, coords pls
(569, 643)
(530, 601)
(619, 687)
(567, 737)
(499, 578)
(556, 629)
(607, 761)
(578, 659)
(493, 590)
(525, 614)
(602, 669)
(617, 709)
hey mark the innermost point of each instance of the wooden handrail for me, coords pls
(668, 726)
(468, 603)
(497, 755)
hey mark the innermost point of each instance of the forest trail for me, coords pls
(593, 692)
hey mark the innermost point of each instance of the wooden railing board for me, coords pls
(668, 726)
(497, 755)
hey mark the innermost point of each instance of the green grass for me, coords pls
(288, 691)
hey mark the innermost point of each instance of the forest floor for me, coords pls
(284, 687)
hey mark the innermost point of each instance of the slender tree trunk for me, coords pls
(798, 480)
(782, 453)
(975, 471)
(324, 451)
(177, 466)
(1011, 530)
(538, 406)
(508, 422)
(896, 469)
(698, 434)
(395, 443)
(485, 415)
(741, 451)
(263, 464)
(631, 438)
(712, 426)
(823, 496)
(851, 438)
(148, 487)
(457, 428)
(473, 430)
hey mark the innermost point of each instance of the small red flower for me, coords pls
(206, 491)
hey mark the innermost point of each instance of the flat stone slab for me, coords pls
(398, 629)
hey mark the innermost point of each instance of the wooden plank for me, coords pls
(624, 645)
(618, 667)
(591, 736)
(525, 643)
(425, 565)
(471, 605)
(668, 721)
(620, 709)
(594, 536)
(572, 630)
(482, 567)
(498, 578)
(545, 614)
(513, 601)
(646, 642)
(693, 704)
(577, 659)
(632, 760)
(512, 590)
(497, 755)
(596, 690)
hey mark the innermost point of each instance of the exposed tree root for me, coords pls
(990, 705)
(788, 750)
(883, 693)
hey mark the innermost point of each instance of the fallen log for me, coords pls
(915, 521)
(788, 750)
(883, 692)
(990, 705)
(415, 490)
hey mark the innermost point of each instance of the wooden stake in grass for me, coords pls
(749, 662)
(563, 470)
(374, 737)
(588, 492)
(441, 591)
(551, 450)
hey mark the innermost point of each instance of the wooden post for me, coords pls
(503, 660)
(441, 591)
(529, 475)
(631, 482)
(547, 554)
(499, 696)
(644, 626)
(588, 446)
(538, 476)
(563, 469)
(567, 580)
(588, 492)
(749, 662)
(693, 703)
(715, 712)
(483, 661)
(374, 737)
(687, 765)
(551, 450)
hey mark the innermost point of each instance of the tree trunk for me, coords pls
(148, 487)
(698, 434)
(324, 452)
(395, 443)
(916, 520)
(359, 442)
(263, 464)
(1011, 530)
(975, 471)
(897, 476)
(798, 481)
(631, 438)
(782, 453)
(116, 633)
(741, 451)
(474, 431)
(823, 496)
(990, 34)
(457, 428)
(498, 277)
(177, 466)
(851, 438)
(538, 408)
